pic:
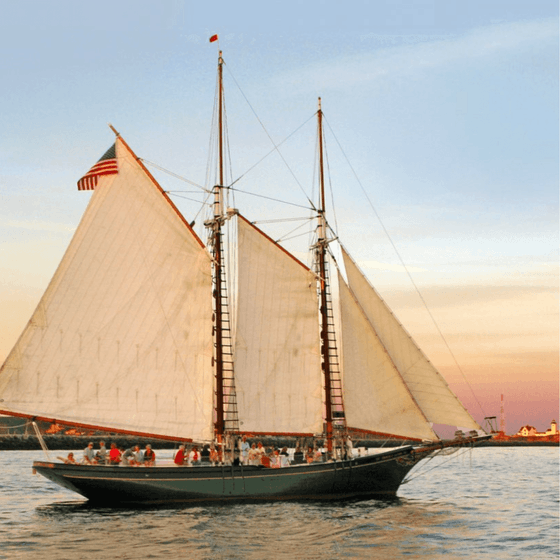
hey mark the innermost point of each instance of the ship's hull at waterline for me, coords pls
(378, 475)
(372, 476)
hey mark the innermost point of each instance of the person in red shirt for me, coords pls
(114, 455)
(180, 456)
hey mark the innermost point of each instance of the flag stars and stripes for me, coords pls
(107, 165)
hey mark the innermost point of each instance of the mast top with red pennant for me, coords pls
(213, 38)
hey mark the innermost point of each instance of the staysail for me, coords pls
(122, 337)
(428, 387)
(376, 398)
(277, 359)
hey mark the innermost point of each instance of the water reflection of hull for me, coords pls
(377, 475)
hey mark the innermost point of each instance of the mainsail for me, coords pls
(428, 388)
(122, 337)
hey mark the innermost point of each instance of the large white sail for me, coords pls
(122, 337)
(277, 359)
(376, 398)
(426, 384)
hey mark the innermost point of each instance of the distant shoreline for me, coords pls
(518, 443)
(65, 442)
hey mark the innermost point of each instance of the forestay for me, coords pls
(122, 337)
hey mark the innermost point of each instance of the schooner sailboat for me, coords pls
(135, 334)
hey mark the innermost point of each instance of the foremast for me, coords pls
(335, 423)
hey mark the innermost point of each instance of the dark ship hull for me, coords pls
(373, 476)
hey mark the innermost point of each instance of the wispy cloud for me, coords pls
(416, 54)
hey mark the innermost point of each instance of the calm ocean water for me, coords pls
(486, 503)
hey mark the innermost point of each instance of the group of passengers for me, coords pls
(115, 456)
(189, 458)
(248, 454)
(254, 454)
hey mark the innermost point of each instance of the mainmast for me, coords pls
(225, 418)
(321, 257)
(330, 366)
(218, 277)
(217, 254)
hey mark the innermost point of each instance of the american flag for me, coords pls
(107, 165)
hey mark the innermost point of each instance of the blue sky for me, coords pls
(447, 111)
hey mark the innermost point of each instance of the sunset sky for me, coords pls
(446, 110)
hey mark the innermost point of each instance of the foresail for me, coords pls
(122, 337)
(277, 359)
(429, 389)
(375, 397)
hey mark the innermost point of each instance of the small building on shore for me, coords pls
(531, 431)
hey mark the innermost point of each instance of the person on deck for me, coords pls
(318, 455)
(284, 457)
(149, 456)
(127, 457)
(70, 459)
(349, 448)
(244, 450)
(261, 452)
(102, 453)
(205, 454)
(252, 456)
(114, 454)
(309, 455)
(275, 459)
(180, 456)
(89, 454)
(194, 457)
(214, 455)
(137, 456)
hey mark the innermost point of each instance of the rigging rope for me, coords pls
(407, 271)
(422, 472)
(269, 198)
(176, 193)
(181, 178)
(280, 220)
(270, 137)
(330, 182)
(276, 146)
(285, 236)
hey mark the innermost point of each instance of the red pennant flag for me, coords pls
(213, 38)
